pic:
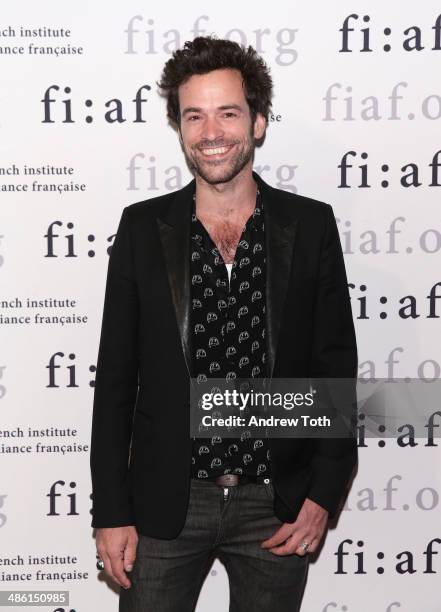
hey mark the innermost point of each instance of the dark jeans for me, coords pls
(168, 574)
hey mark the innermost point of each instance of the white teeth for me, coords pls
(215, 151)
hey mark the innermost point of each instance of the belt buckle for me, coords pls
(227, 480)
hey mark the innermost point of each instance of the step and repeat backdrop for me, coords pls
(356, 122)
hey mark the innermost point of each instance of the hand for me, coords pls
(308, 527)
(117, 548)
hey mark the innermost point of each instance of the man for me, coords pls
(226, 277)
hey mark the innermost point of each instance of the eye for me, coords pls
(193, 117)
(229, 114)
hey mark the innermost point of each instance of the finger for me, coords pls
(311, 548)
(101, 552)
(281, 535)
(297, 544)
(313, 544)
(292, 545)
(118, 572)
(130, 556)
(107, 565)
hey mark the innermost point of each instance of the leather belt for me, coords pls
(234, 480)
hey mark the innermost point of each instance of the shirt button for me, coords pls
(266, 480)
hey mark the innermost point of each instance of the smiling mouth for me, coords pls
(215, 151)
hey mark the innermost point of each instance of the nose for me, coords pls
(212, 129)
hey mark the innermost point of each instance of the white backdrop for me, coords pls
(355, 123)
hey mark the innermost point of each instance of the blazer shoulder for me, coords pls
(304, 206)
(149, 208)
(302, 200)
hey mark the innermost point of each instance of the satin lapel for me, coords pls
(174, 232)
(280, 231)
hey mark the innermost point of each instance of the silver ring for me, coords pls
(100, 563)
(305, 546)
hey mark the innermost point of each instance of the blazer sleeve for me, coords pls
(116, 387)
(334, 355)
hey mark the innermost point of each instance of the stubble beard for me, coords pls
(217, 171)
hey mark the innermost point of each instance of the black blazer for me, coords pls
(141, 445)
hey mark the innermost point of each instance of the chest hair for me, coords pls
(226, 237)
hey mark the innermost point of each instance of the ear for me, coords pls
(259, 126)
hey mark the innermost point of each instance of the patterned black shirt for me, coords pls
(228, 336)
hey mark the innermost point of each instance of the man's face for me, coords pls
(216, 130)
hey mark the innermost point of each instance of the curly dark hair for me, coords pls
(207, 53)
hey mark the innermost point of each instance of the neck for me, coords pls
(226, 201)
